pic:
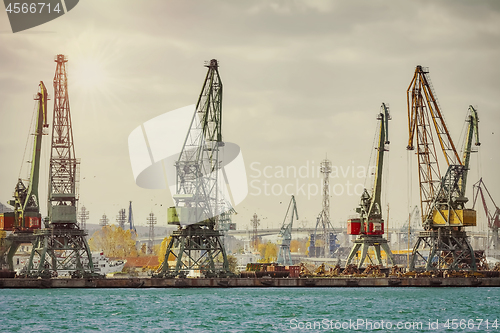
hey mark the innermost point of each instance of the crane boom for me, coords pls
(197, 168)
(442, 198)
(26, 198)
(384, 117)
(370, 207)
(472, 129)
(492, 215)
(284, 254)
(443, 244)
(423, 114)
(199, 198)
(370, 225)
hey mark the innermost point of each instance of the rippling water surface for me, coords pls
(251, 310)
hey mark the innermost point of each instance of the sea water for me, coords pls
(251, 310)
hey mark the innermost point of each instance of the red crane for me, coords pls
(493, 215)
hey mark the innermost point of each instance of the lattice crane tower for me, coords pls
(84, 216)
(197, 244)
(444, 243)
(61, 246)
(326, 169)
(255, 237)
(151, 221)
(369, 226)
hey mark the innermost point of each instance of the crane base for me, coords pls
(443, 249)
(365, 242)
(62, 247)
(195, 248)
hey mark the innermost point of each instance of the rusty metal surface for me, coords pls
(250, 282)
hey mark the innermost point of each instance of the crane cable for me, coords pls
(409, 200)
(368, 174)
(28, 139)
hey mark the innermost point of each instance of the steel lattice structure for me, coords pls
(151, 220)
(197, 244)
(285, 235)
(62, 246)
(370, 220)
(443, 244)
(121, 218)
(26, 215)
(84, 216)
(492, 212)
(255, 237)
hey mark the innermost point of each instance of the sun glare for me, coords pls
(90, 75)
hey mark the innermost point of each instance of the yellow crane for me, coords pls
(443, 244)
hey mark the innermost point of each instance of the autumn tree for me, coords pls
(114, 242)
(268, 252)
(163, 250)
(299, 245)
(294, 245)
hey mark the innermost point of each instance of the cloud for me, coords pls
(301, 79)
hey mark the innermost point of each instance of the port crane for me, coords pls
(408, 227)
(285, 235)
(197, 244)
(369, 226)
(61, 247)
(443, 244)
(26, 216)
(492, 215)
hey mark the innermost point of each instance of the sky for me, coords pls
(303, 80)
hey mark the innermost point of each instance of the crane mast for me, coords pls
(61, 247)
(198, 164)
(472, 133)
(197, 244)
(443, 244)
(370, 225)
(285, 236)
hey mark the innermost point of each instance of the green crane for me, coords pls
(285, 236)
(26, 216)
(199, 200)
(26, 203)
(370, 225)
(370, 205)
(472, 132)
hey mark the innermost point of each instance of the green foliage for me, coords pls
(233, 263)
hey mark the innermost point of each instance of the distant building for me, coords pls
(137, 266)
